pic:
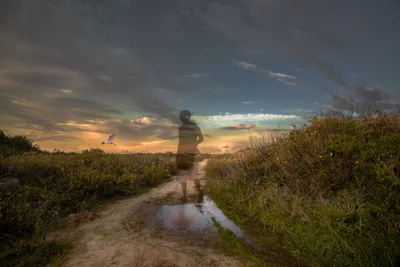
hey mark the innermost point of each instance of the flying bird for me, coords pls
(110, 140)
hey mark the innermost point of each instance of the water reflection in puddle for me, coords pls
(197, 217)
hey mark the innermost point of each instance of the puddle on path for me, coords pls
(197, 217)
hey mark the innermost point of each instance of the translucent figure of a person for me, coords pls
(190, 136)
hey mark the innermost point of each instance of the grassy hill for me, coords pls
(328, 192)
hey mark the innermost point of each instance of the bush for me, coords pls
(55, 185)
(329, 190)
(11, 145)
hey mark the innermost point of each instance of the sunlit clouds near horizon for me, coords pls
(222, 133)
(74, 72)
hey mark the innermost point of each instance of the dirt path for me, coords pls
(128, 233)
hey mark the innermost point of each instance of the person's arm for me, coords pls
(199, 135)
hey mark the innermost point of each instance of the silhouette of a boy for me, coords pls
(190, 136)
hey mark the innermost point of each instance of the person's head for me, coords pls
(184, 116)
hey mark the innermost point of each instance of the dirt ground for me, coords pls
(127, 233)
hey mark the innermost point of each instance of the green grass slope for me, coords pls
(328, 192)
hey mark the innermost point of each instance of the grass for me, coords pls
(237, 247)
(59, 188)
(328, 192)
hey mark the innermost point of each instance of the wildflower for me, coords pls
(331, 154)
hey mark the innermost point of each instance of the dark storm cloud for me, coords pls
(340, 102)
(25, 117)
(85, 117)
(85, 46)
(78, 103)
(362, 99)
(303, 30)
(159, 108)
(36, 83)
(61, 110)
(295, 28)
(43, 125)
(10, 108)
(127, 129)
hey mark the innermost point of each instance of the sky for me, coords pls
(73, 72)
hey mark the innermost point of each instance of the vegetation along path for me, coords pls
(154, 229)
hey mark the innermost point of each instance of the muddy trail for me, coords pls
(153, 229)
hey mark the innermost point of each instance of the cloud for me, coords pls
(239, 127)
(145, 120)
(82, 48)
(75, 103)
(246, 65)
(156, 106)
(43, 125)
(69, 72)
(247, 102)
(105, 78)
(299, 36)
(23, 116)
(305, 114)
(249, 117)
(362, 98)
(284, 78)
(281, 77)
(138, 131)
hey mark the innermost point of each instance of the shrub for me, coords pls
(10, 145)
